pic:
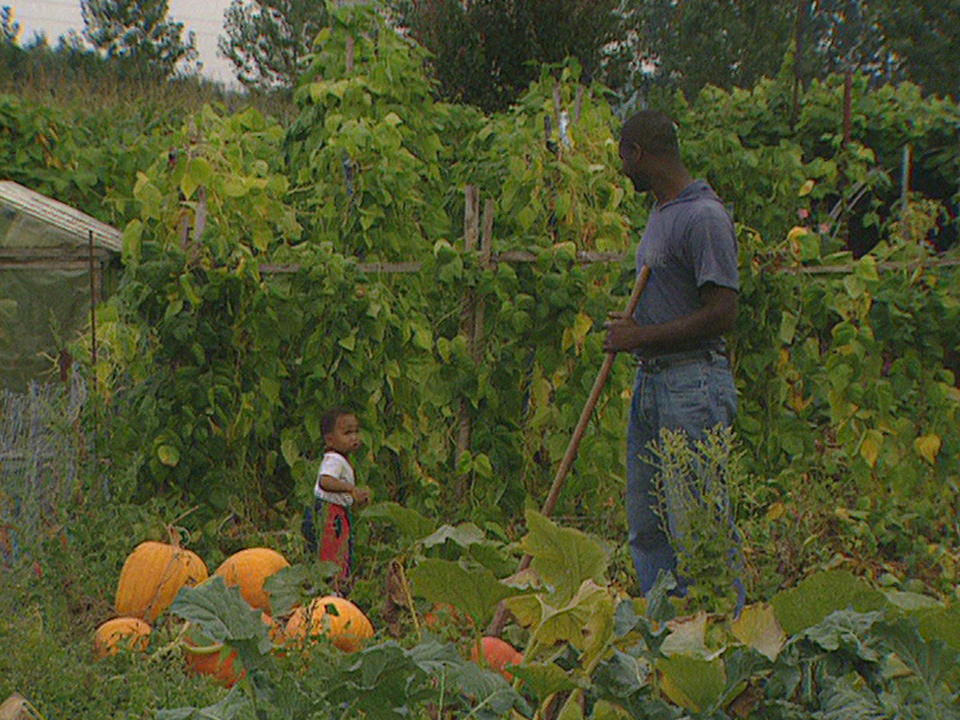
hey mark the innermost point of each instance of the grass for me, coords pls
(50, 606)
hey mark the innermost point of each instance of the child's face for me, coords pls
(345, 437)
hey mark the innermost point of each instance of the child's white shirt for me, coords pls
(337, 466)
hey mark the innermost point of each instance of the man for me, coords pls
(684, 379)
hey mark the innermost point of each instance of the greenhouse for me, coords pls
(55, 264)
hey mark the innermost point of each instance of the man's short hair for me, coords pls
(652, 130)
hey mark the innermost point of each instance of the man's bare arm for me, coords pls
(715, 317)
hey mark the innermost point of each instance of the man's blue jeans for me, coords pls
(694, 395)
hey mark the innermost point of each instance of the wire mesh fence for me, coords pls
(41, 443)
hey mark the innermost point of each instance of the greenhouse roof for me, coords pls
(31, 220)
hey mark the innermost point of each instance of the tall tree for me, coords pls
(925, 35)
(138, 31)
(9, 30)
(734, 43)
(725, 43)
(487, 52)
(269, 41)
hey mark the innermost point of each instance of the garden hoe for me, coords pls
(568, 457)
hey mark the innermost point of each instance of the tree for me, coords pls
(925, 35)
(9, 30)
(734, 43)
(487, 52)
(138, 31)
(269, 41)
(725, 43)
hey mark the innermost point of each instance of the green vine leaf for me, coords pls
(474, 591)
(564, 558)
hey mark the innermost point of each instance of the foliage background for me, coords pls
(213, 370)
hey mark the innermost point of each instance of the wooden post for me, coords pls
(906, 161)
(486, 253)
(471, 235)
(906, 171)
(93, 305)
(351, 54)
(847, 108)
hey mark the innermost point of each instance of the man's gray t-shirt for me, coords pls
(688, 242)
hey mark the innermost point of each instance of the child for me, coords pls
(335, 493)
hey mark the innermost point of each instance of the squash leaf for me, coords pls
(821, 594)
(546, 679)
(475, 591)
(224, 616)
(412, 525)
(758, 628)
(691, 682)
(229, 708)
(563, 557)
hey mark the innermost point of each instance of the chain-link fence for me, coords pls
(40, 447)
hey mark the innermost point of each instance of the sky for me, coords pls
(58, 17)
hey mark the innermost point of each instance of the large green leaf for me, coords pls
(412, 525)
(758, 628)
(586, 621)
(849, 630)
(222, 614)
(933, 662)
(819, 595)
(941, 624)
(475, 591)
(463, 535)
(692, 682)
(296, 584)
(229, 708)
(546, 679)
(688, 636)
(563, 557)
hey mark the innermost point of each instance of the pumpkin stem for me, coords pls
(175, 645)
(175, 533)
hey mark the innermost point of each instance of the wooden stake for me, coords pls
(486, 253)
(93, 305)
(471, 234)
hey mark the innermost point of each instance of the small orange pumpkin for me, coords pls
(205, 657)
(249, 569)
(121, 633)
(152, 575)
(334, 617)
(498, 655)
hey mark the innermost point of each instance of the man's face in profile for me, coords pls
(631, 155)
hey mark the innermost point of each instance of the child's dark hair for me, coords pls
(328, 421)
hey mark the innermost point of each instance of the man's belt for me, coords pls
(657, 363)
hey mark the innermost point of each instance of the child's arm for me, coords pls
(361, 495)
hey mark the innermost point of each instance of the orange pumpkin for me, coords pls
(498, 655)
(249, 569)
(151, 577)
(205, 656)
(334, 617)
(214, 659)
(121, 633)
